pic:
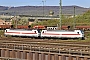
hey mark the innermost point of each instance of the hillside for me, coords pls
(38, 10)
(80, 20)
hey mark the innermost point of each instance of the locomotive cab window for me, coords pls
(39, 30)
(82, 32)
(6, 30)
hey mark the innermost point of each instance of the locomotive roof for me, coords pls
(62, 30)
(23, 29)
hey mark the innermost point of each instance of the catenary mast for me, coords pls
(60, 14)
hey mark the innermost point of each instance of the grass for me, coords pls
(1, 33)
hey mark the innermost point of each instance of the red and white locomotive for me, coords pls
(62, 34)
(22, 32)
(45, 33)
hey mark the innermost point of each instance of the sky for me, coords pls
(82, 3)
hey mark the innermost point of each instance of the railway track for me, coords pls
(55, 46)
(45, 40)
(50, 47)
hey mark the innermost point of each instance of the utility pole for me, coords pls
(43, 7)
(15, 21)
(60, 14)
(74, 19)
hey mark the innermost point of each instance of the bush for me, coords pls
(1, 33)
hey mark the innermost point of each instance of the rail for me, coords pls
(75, 49)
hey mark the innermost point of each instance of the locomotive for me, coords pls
(22, 32)
(45, 33)
(62, 34)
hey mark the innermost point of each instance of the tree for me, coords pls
(23, 21)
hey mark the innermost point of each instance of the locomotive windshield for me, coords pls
(39, 31)
(82, 31)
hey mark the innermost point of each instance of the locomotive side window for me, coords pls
(35, 31)
(43, 31)
(55, 28)
(78, 32)
(6, 30)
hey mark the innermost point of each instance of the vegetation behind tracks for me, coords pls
(79, 20)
